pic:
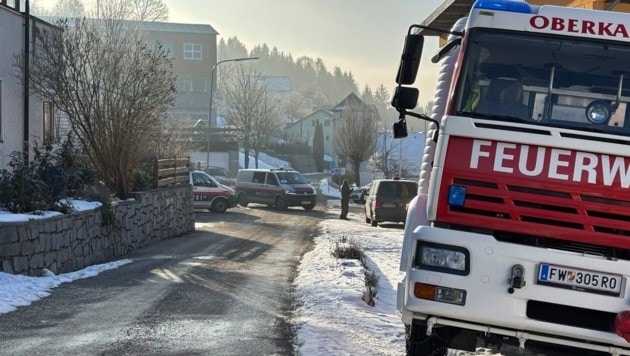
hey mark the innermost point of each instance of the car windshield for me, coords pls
(545, 80)
(291, 178)
(403, 190)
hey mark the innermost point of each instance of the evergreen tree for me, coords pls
(318, 147)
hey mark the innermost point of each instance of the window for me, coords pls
(167, 47)
(49, 121)
(259, 177)
(187, 85)
(327, 123)
(192, 51)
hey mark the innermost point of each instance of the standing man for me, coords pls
(345, 199)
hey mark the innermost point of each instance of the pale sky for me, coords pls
(364, 37)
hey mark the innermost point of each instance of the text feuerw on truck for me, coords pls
(520, 232)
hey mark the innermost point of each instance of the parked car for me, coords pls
(388, 199)
(357, 194)
(280, 188)
(209, 194)
(221, 175)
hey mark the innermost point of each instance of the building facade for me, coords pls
(24, 118)
(193, 50)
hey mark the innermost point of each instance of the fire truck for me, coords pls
(520, 232)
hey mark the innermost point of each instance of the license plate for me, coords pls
(306, 201)
(388, 205)
(579, 279)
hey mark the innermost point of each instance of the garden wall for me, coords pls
(71, 242)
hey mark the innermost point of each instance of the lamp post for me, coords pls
(214, 69)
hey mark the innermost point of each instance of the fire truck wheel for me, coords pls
(419, 344)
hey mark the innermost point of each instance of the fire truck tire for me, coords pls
(419, 344)
(219, 206)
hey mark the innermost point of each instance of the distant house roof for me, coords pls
(177, 27)
(159, 26)
(278, 83)
(319, 112)
(350, 101)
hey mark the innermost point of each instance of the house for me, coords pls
(193, 49)
(303, 130)
(24, 118)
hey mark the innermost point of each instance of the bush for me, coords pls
(51, 176)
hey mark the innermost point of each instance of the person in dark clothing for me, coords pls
(345, 199)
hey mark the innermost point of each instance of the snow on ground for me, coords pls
(332, 318)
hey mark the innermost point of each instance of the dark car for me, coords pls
(221, 175)
(387, 200)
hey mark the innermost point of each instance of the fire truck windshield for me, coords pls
(546, 80)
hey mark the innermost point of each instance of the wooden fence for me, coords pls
(172, 171)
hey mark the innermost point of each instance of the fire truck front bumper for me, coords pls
(475, 282)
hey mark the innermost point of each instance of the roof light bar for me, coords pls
(518, 6)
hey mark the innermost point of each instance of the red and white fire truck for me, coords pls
(520, 232)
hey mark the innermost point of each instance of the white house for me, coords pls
(24, 118)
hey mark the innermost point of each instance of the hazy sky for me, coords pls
(364, 37)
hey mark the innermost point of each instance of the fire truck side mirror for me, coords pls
(410, 60)
(400, 129)
(405, 98)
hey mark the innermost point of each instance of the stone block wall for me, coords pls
(71, 242)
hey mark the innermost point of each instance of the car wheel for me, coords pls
(308, 207)
(219, 206)
(280, 204)
(242, 200)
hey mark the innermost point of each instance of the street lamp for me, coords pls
(214, 68)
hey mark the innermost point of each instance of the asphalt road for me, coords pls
(223, 290)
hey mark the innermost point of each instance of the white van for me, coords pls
(209, 194)
(280, 188)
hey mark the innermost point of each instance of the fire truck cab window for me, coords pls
(547, 80)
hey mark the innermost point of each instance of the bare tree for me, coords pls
(69, 9)
(113, 88)
(148, 10)
(387, 158)
(355, 136)
(135, 10)
(247, 104)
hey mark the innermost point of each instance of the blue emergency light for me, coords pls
(504, 5)
(456, 196)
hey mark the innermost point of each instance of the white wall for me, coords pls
(12, 98)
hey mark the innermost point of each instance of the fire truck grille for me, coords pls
(570, 316)
(555, 214)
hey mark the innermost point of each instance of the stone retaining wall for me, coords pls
(71, 242)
